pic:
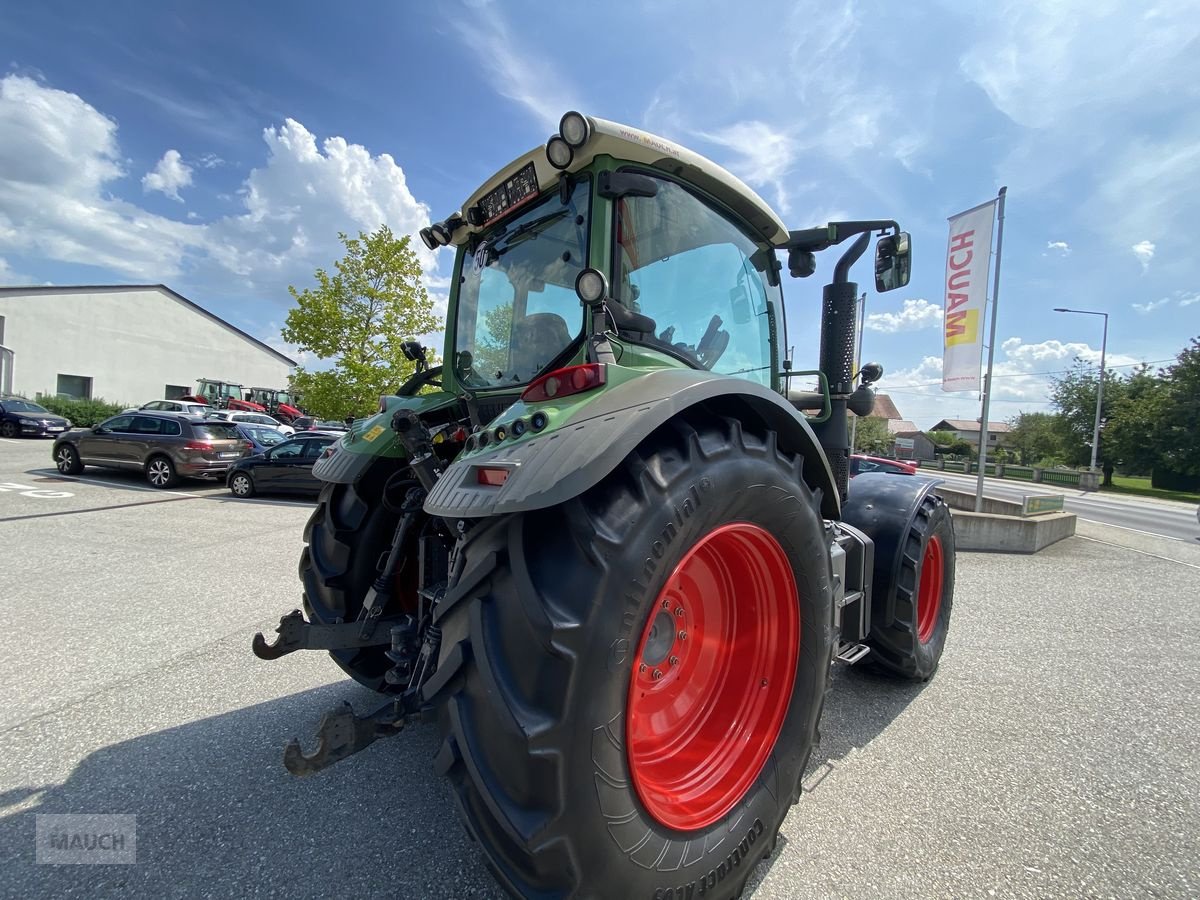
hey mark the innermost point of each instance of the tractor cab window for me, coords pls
(693, 272)
(517, 308)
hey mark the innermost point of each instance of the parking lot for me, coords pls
(1052, 755)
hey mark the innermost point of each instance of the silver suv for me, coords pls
(164, 446)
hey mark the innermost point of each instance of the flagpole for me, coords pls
(987, 381)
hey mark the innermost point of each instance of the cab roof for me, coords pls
(624, 142)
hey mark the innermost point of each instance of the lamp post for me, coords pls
(1100, 386)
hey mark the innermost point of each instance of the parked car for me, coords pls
(263, 437)
(310, 423)
(249, 418)
(285, 468)
(165, 446)
(860, 464)
(178, 406)
(24, 418)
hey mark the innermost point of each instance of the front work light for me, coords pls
(559, 152)
(428, 239)
(591, 286)
(440, 233)
(575, 129)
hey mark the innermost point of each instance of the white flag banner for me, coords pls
(968, 258)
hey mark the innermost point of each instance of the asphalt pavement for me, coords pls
(1051, 756)
(1151, 515)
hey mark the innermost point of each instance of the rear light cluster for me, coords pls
(565, 382)
(197, 445)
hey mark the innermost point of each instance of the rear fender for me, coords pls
(589, 440)
(883, 507)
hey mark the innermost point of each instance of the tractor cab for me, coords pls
(222, 395)
(278, 403)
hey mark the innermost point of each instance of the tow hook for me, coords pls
(297, 634)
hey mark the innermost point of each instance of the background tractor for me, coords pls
(222, 395)
(279, 403)
(607, 544)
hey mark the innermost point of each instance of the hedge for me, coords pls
(82, 413)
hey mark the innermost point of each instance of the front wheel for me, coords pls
(8, 429)
(909, 643)
(67, 460)
(631, 682)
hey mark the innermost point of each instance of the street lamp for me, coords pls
(1100, 387)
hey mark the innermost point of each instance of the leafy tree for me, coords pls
(357, 317)
(871, 436)
(1179, 422)
(1074, 396)
(1133, 433)
(947, 444)
(1036, 437)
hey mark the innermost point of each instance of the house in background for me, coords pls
(998, 433)
(910, 441)
(124, 343)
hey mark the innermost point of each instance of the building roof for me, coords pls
(901, 426)
(885, 408)
(175, 295)
(969, 425)
(915, 433)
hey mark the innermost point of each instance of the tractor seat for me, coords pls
(537, 339)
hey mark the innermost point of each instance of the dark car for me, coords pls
(285, 468)
(24, 418)
(165, 446)
(263, 437)
(860, 464)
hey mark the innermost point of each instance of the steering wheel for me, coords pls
(713, 344)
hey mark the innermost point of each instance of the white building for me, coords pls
(123, 343)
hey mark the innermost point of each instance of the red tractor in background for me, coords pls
(279, 403)
(222, 395)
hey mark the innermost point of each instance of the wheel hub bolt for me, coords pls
(666, 604)
(642, 667)
(656, 674)
(683, 635)
(679, 611)
(674, 660)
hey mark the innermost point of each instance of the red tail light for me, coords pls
(197, 445)
(492, 477)
(565, 382)
(246, 445)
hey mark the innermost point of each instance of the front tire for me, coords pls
(569, 756)
(67, 460)
(8, 430)
(910, 644)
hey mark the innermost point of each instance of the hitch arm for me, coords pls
(297, 634)
(341, 734)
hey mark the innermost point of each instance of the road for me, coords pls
(1166, 518)
(1053, 755)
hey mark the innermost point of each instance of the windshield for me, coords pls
(23, 406)
(517, 307)
(268, 437)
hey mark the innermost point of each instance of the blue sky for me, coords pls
(220, 147)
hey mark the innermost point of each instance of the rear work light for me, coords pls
(564, 382)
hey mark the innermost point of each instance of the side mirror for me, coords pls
(893, 261)
(99, 429)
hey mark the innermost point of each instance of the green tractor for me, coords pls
(607, 546)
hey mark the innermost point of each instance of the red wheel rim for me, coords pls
(713, 676)
(929, 594)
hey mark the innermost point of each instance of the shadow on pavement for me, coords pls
(219, 816)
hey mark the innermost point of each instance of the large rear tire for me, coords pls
(909, 642)
(579, 770)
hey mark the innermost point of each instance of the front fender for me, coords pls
(589, 440)
(372, 439)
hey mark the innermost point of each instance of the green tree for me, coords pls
(1037, 438)
(871, 436)
(1074, 397)
(356, 318)
(947, 444)
(1133, 433)
(1179, 422)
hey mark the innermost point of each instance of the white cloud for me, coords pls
(517, 72)
(8, 276)
(1144, 251)
(1188, 299)
(171, 174)
(210, 161)
(1151, 305)
(60, 159)
(1060, 247)
(913, 316)
(763, 155)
